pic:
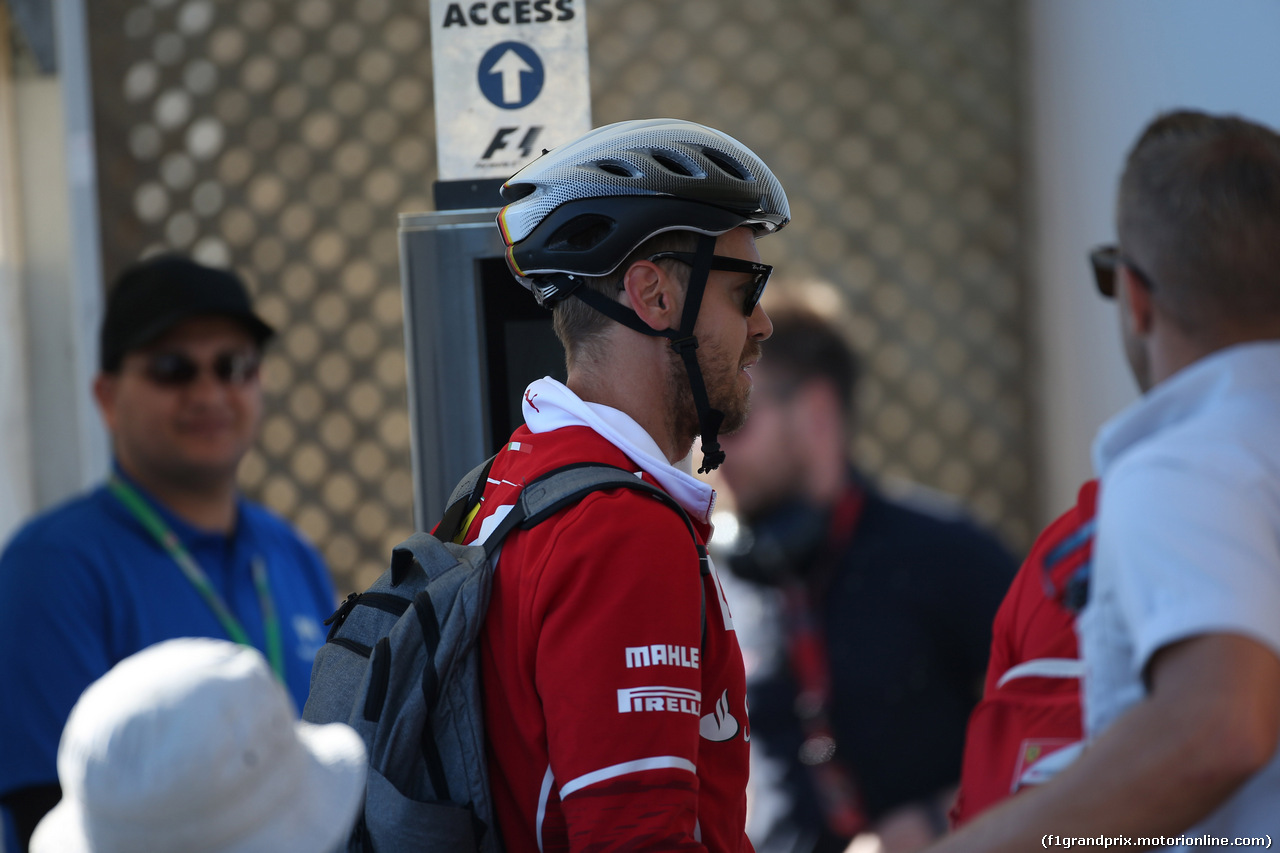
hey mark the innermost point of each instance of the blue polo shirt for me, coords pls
(85, 585)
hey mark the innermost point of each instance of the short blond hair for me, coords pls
(579, 326)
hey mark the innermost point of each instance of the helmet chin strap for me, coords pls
(686, 346)
(682, 341)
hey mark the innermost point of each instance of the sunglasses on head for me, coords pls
(1105, 260)
(177, 370)
(760, 273)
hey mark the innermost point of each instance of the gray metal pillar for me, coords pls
(474, 339)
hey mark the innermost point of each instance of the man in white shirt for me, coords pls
(1181, 634)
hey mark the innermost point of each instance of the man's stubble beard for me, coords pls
(720, 376)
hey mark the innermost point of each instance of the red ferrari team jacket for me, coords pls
(1030, 710)
(612, 722)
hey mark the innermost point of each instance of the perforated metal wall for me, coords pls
(283, 138)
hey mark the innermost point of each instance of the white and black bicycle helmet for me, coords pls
(582, 208)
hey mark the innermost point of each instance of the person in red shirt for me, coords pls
(1029, 723)
(614, 691)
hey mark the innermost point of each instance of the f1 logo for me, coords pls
(499, 141)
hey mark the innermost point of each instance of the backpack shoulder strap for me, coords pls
(464, 498)
(553, 491)
(543, 497)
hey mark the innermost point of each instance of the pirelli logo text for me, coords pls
(676, 699)
(660, 655)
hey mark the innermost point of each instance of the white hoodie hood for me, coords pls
(549, 405)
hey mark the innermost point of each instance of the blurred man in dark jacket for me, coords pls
(884, 611)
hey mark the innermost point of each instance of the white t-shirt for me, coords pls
(1188, 541)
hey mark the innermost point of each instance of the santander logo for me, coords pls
(720, 725)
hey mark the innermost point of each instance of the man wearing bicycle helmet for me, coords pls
(615, 700)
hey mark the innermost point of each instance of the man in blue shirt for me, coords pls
(167, 547)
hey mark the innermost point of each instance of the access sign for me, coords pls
(510, 80)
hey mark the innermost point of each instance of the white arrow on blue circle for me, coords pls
(510, 66)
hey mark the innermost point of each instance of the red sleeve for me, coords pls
(619, 633)
(1031, 713)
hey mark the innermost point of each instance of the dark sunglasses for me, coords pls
(760, 273)
(1105, 260)
(177, 370)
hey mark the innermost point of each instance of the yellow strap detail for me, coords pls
(466, 524)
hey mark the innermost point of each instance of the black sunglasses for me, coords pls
(1105, 260)
(177, 370)
(760, 273)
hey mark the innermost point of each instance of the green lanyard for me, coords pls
(167, 540)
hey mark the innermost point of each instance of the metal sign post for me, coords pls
(474, 339)
(510, 81)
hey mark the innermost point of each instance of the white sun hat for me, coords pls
(193, 746)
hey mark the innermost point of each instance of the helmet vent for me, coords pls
(613, 167)
(581, 233)
(727, 164)
(515, 192)
(677, 164)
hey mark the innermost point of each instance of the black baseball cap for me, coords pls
(152, 296)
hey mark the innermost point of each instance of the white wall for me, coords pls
(60, 340)
(52, 442)
(64, 267)
(1100, 70)
(17, 493)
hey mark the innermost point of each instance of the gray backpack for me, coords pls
(401, 667)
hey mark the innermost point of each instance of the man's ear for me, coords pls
(1137, 301)
(652, 294)
(104, 392)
